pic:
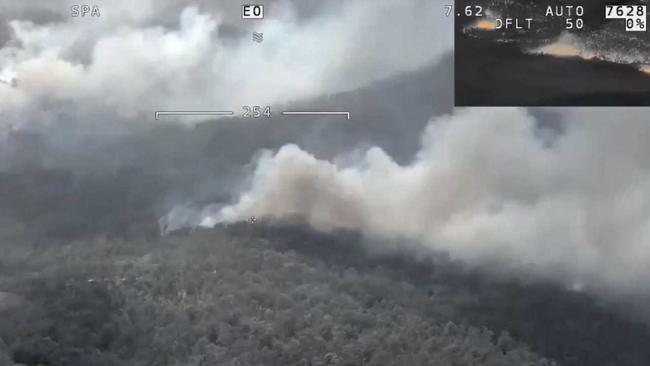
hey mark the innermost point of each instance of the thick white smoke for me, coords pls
(131, 61)
(491, 187)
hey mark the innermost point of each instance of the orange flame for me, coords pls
(486, 25)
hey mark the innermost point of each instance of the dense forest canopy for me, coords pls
(253, 294)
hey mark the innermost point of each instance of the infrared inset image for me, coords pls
(552, 53)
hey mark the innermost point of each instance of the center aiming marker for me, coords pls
(158, 114)
(317, 113)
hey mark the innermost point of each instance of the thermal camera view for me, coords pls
(324, 182)
(531, 53)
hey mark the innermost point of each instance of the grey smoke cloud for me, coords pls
(490, 187)
(77, 97)
(143, 56)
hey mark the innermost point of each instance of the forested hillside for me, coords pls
(284, 295)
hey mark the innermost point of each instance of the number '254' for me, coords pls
(256, 111)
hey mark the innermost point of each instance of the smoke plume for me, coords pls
(81, 153)
(138, 58)
(492, 187)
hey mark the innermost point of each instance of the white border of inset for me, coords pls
(158, 114)
(317, 113)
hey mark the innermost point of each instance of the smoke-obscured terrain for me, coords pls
(411, 234)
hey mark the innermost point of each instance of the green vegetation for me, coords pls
(282, 295)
